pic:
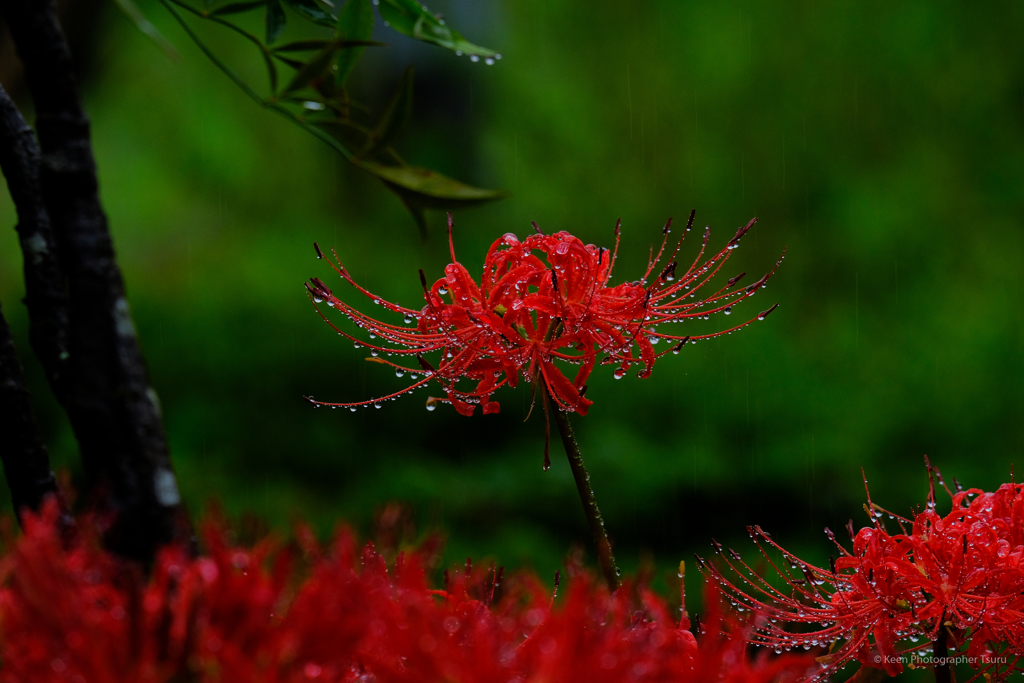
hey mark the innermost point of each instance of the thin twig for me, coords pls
(268, 103)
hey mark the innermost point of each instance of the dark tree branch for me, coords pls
(26, 463)
(25, 460)
(114, 412)
(45, 287)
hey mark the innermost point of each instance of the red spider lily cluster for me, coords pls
(949, 587)
(542, 300)
(71, 612)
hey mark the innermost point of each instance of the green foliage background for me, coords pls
(881, 143)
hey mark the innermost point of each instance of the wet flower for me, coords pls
(543, 303)
(71, 612)
(945, 584)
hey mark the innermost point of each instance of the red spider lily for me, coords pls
(943, 585)
(71, 612)
(542, 300)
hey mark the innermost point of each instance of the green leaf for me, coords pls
(417, 209)
(308, 45)
(430, 188)
(421, 188)
(268, 58)
(394, 118)
(132, 11)
(237, 8)
(355, 22)
(316, 69)
(345, 132)
(302, 45)
(293, 63)
(410, 17)
(275, 20)
(311, 11)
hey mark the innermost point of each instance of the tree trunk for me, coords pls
(91, 354)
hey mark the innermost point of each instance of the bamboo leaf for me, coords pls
(308, 45)
(308, 9)
(276, 20)
(412, 19)
(302, 45)
(293, 63)
(430, 188)
(318, 68)
(268, 58)
(237, 8)
(395, 116)
(355, 22)
(132, 11)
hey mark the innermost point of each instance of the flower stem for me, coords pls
(582, 477)
(943, 674)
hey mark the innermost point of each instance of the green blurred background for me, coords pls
(882, 143)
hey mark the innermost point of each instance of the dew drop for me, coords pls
(489, 61)
(442, 290)
(728, 310)
(399, 373)
(619, 374)
(474, 58)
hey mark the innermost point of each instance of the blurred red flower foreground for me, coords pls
(71, 612)
(946, 589)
